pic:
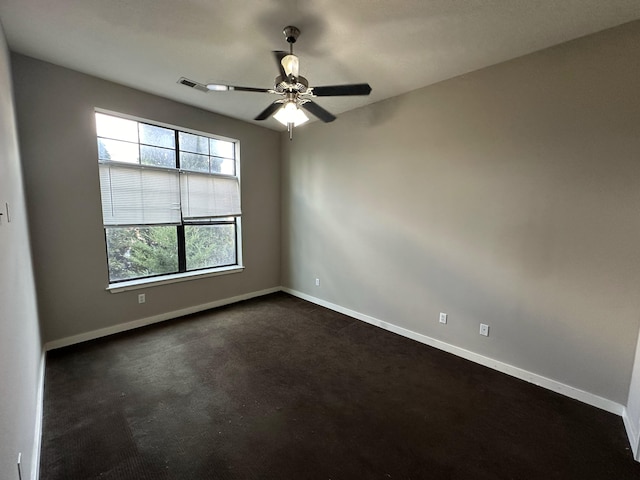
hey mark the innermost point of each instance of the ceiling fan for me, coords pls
(292, 88)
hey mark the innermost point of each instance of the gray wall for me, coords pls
(57, 130)
(20, 348)
(508, 196)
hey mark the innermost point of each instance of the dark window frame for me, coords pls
(180, 228)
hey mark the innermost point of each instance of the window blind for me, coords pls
(139, 196)
(208, 196)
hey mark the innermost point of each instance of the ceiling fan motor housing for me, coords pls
(283, 85)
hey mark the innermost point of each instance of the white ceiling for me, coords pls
(396, 46)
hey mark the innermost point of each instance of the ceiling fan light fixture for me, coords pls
(291, 65)
(291, 114)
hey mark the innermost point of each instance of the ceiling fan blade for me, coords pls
(279, 55)
(216, 87)
(340, 90)
(318, 111)
(270, 110)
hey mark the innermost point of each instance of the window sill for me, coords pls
(166, 279)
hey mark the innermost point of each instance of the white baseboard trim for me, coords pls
(548, 383)
(123, 327)
(37, 434)
(632, 434)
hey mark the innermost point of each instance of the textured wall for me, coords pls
(57, 132)
(508, 196)
(20, 347)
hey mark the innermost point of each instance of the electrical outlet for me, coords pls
(317, 282)
(443, 317)
(142, 298)
(19, 466)
(484, 329)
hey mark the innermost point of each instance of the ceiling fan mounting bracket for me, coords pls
(291, 33)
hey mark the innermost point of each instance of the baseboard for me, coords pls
(37, 434)
(550, 384)
(632, 434)
(123, 327)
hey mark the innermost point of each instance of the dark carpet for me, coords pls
(279, 388)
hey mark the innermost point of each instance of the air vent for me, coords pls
(192, 84)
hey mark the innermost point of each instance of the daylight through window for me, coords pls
(170, 199)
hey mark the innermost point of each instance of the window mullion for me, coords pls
(177, 144)
(182, 244)
(182, 250)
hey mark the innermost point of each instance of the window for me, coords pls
(170, 200)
